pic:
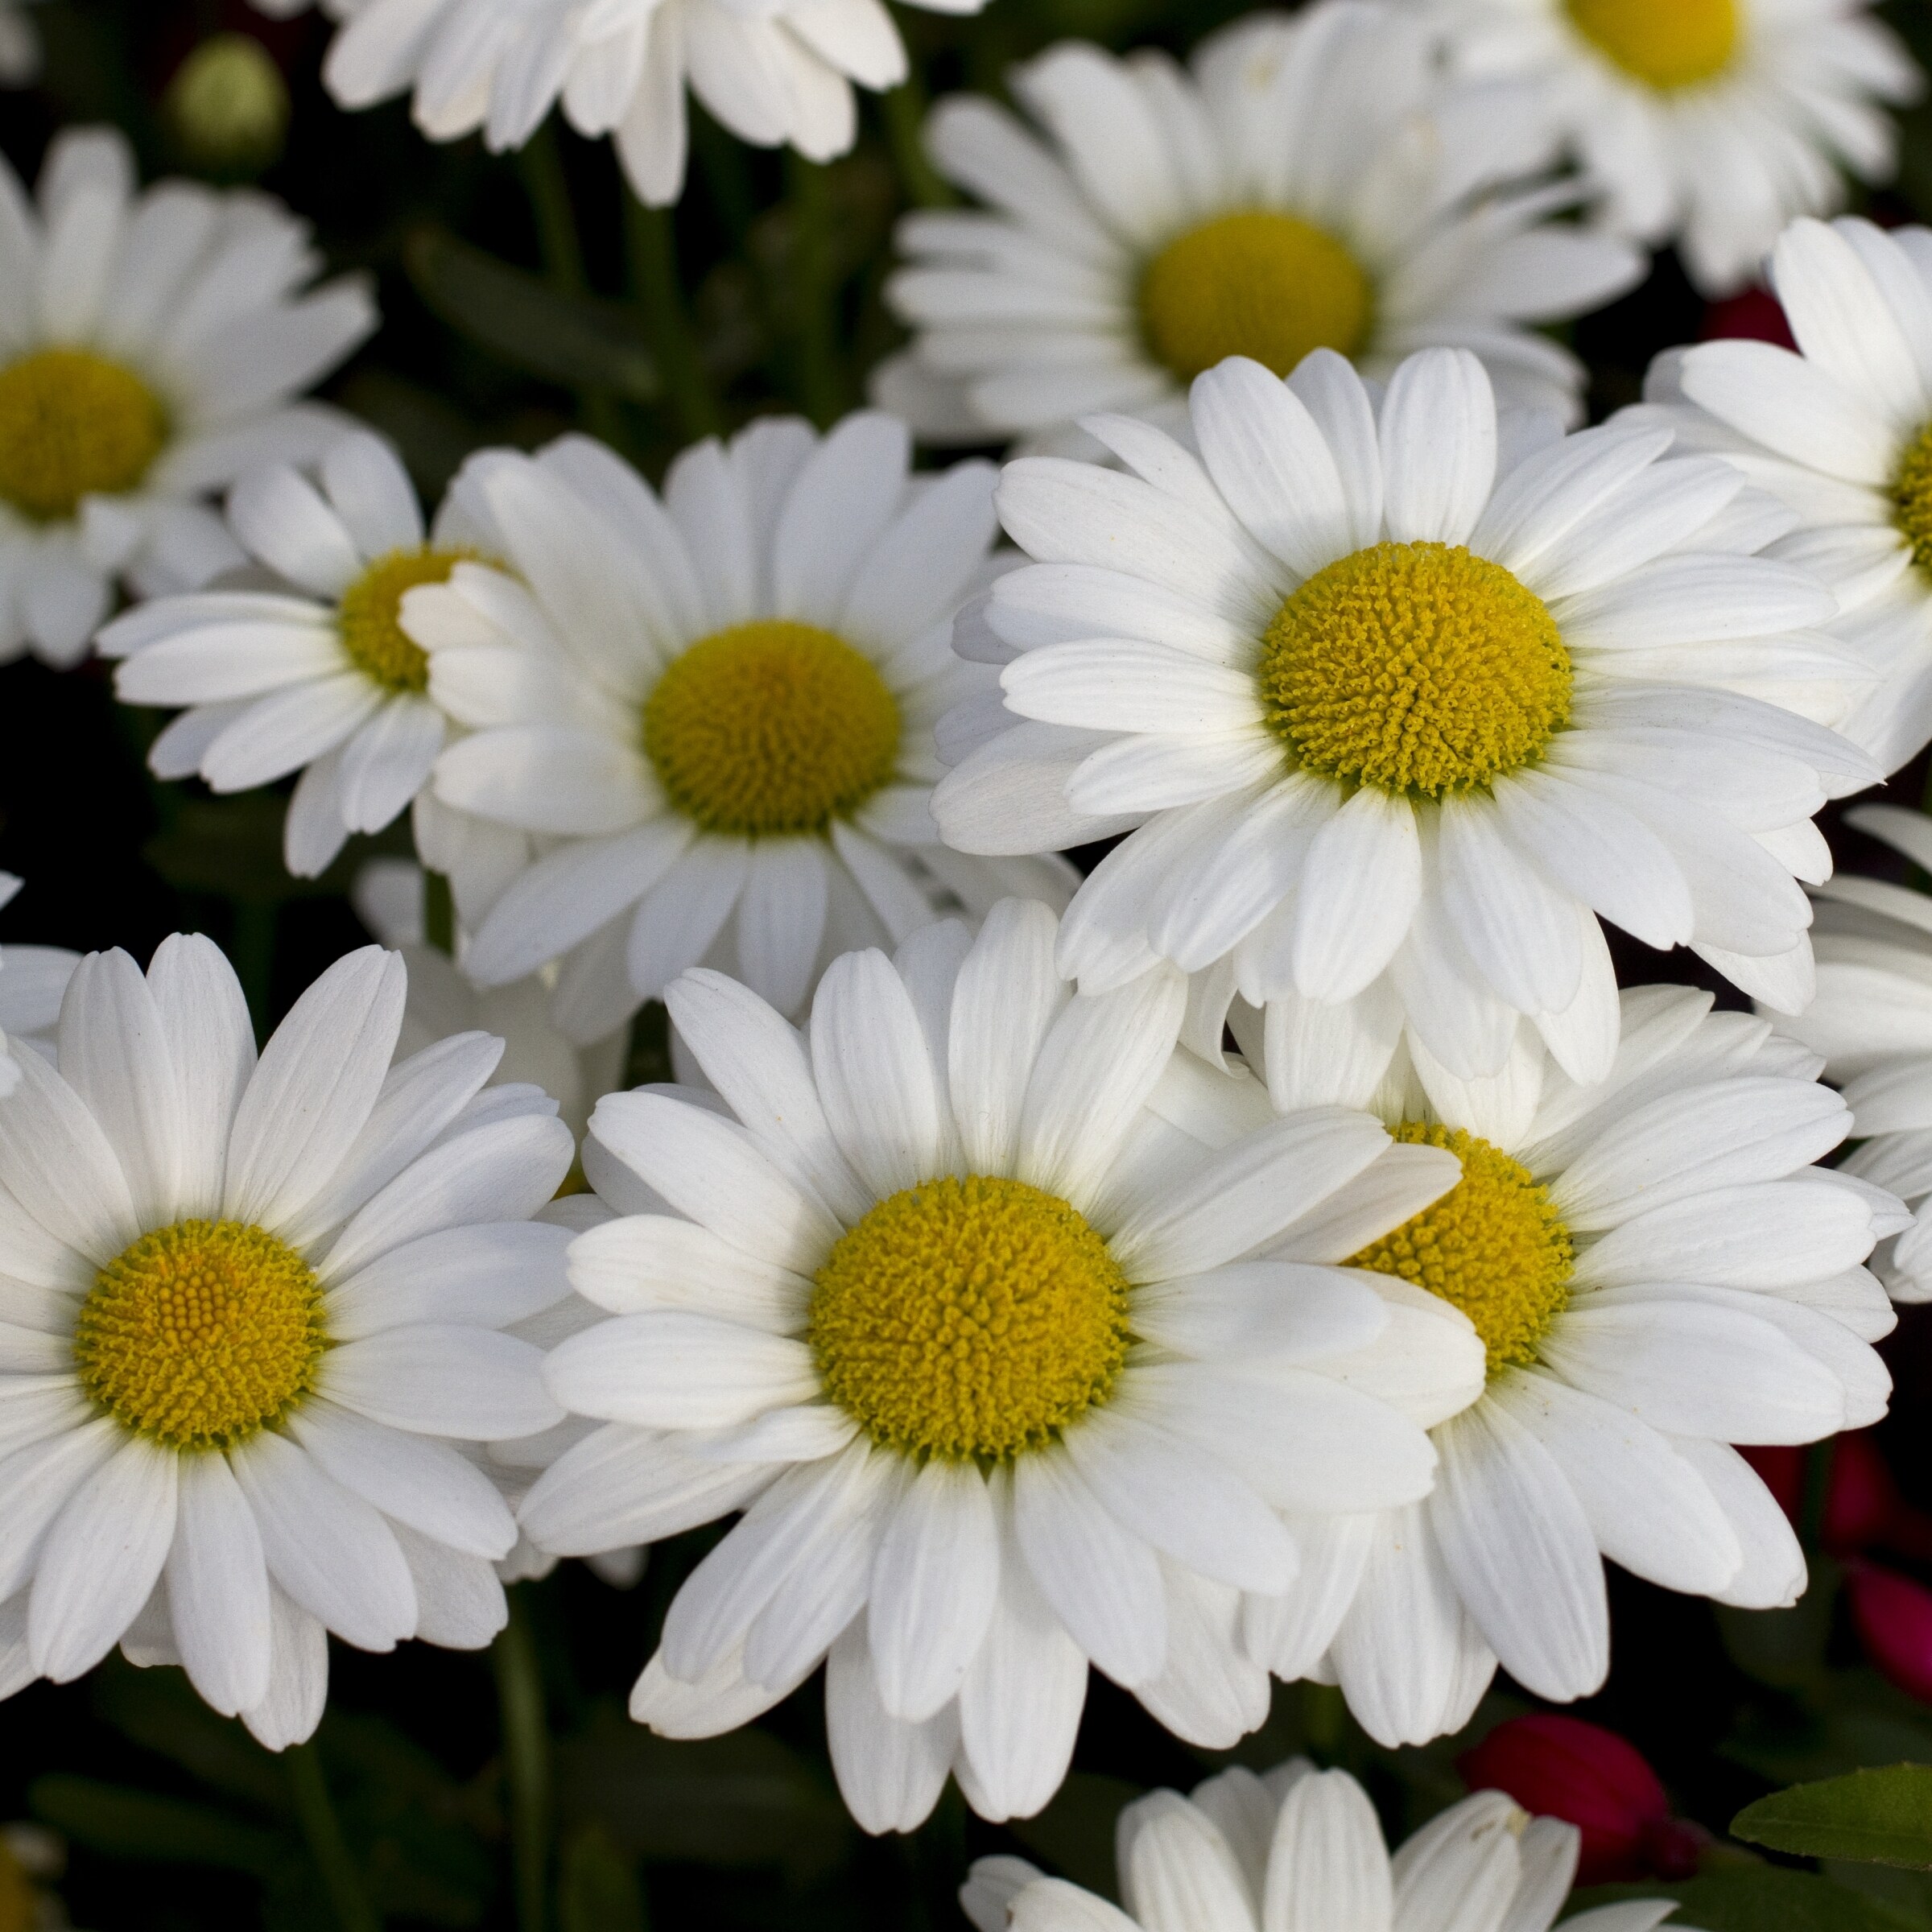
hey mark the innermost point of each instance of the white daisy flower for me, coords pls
(1391, 721)
(151, 346)
(1657, 1272)
(1302, 1849)
(701, 727)
(307, 668)
(1843, 434)
(1305, 183)
(944, 1301)
(1708, 122)
(779, 73)
(251, 1309)
(19, 44)
(1871, 1021)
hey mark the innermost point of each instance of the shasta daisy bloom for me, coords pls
(1657, 1272)
(1303, 185)
(1302, 1849)
(949, 1307)
(252, 1311)
(779, 73)
(151, 348)
(1391, 721)
(1709, 123)
(704, 724)
(308, 670)
(1872, 1022)
(1842, 433)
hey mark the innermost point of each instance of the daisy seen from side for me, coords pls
(1658, 1271)
(253, 1316)
(1709, 123)
(154, 346)
(307, 669)
(700, 727)
(1302, 183)
(1392, 713)
(942, 1300)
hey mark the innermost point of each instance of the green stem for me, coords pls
(812, 289)
(652, 247)
(439, 912)
(1819, 1458)
(322, 1832)
(526, 1761)
(904, 108)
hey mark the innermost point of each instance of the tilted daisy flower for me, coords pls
(701, 727)
(779, 73)
(1872, 1022)
(251, 1314)
(1391, 720)
(1304, 183)
(307, 669)
(1301, 1849)
(1843, 434)
(19, 44)
(151, 348)
(942, 1299)
(1657, 1272)
(1708, 122)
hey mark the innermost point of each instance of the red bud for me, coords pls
(1893, 1617)
(1755, 315)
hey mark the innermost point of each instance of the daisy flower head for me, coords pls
(1709, 123)
(1872, 1022)
(1304, 183)
(308, 668)
(777, 74)
(1392, 714)
(1657, 1271)
(253, 1318)
(152, 348)
(941, 1297)
(701, 726)
(1842, 433)
(1301, 1847)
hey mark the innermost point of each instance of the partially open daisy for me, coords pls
(1708, 122)
(1302, 1849)
(1307, 183)
(967, 1327)
(309, 669)
(706, 722)
(1657, 1272)
(1843, 435)
(1872, 1022)
(250, 1308)
(151, 348)
(778, 73)
(1391, 722)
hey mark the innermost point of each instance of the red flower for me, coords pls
(1862, 1504)
(1893, 1618)
(1562, 1767)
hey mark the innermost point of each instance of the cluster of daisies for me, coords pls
(1280, 1250)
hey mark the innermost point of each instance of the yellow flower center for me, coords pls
(771, 727)
(1414, 668)
(1256, 284)
(201, 1334)
(1493, 1244)
(1912, 497)
(369, 616)
(72, 425)
(974, 1318)
(1664, 43)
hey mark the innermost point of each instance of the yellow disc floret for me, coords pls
(1912, 497)
(369, 616)
(201, 1334)
(1253, 283)
(1664, 44)
(1494, 1246)
(974, 1318)
(1414, 668)
(771, 728)
(72, 425)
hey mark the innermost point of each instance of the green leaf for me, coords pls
(577, 341)
(596, 1888)
(1883, 1816)
(127, 1823)
(1760, 1898)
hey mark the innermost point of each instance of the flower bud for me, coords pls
(1861, 1503)
(1893, 1615)
(228, 106)
(1755, 315)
